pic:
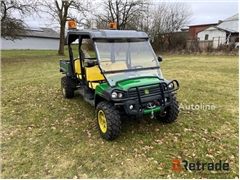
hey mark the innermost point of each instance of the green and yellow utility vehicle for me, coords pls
(122, 80)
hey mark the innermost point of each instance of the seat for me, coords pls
(114, 66)
(77, 66)
(93, 85)
(93, 76)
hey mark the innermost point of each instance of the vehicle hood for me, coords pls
(140, 81)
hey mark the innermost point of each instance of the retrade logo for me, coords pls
(178, 165)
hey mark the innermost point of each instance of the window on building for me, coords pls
(206, 36)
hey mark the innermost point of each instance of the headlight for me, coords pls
(117, 95)
(114, 94)
(131, 107)
(170, 86)
(120, 95)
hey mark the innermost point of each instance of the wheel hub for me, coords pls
(63, 89)
(102, 121)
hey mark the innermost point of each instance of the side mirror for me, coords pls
(89, 63)
(160, 58)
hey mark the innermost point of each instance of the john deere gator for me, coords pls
(122, 80)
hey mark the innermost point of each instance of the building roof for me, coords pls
(42, 33)
(227, 29)
(233, 18)
(231, 24)
(211, 28)
(196, 25)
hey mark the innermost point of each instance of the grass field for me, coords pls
(47, 136)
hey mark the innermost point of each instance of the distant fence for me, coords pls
(196, 45)
(207, 45)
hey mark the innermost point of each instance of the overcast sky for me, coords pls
(204, 11)
(212, 11)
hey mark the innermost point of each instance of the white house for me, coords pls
(226, 32)
(35, 38)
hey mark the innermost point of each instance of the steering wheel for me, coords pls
(136, 67)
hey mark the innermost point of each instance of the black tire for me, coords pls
(108, 120)
(67, 92)
(170, 113)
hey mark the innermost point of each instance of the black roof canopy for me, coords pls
(72, 35)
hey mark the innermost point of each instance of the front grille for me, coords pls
(144, 91)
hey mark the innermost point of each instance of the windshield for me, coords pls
(122, 59)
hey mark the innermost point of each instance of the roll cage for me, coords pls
(98, 35)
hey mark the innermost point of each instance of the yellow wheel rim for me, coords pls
(63, 90)
(102, 121)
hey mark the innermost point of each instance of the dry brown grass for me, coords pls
(46, 136)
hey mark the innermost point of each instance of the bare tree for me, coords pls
(167, 19)
(170, 17)
(12, 27)
(61, 11)
(123, 12)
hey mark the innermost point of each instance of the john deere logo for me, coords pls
(146, 91)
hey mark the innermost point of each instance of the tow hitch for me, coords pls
(151, 106)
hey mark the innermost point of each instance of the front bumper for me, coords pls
(143, 109)
(147, 99)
